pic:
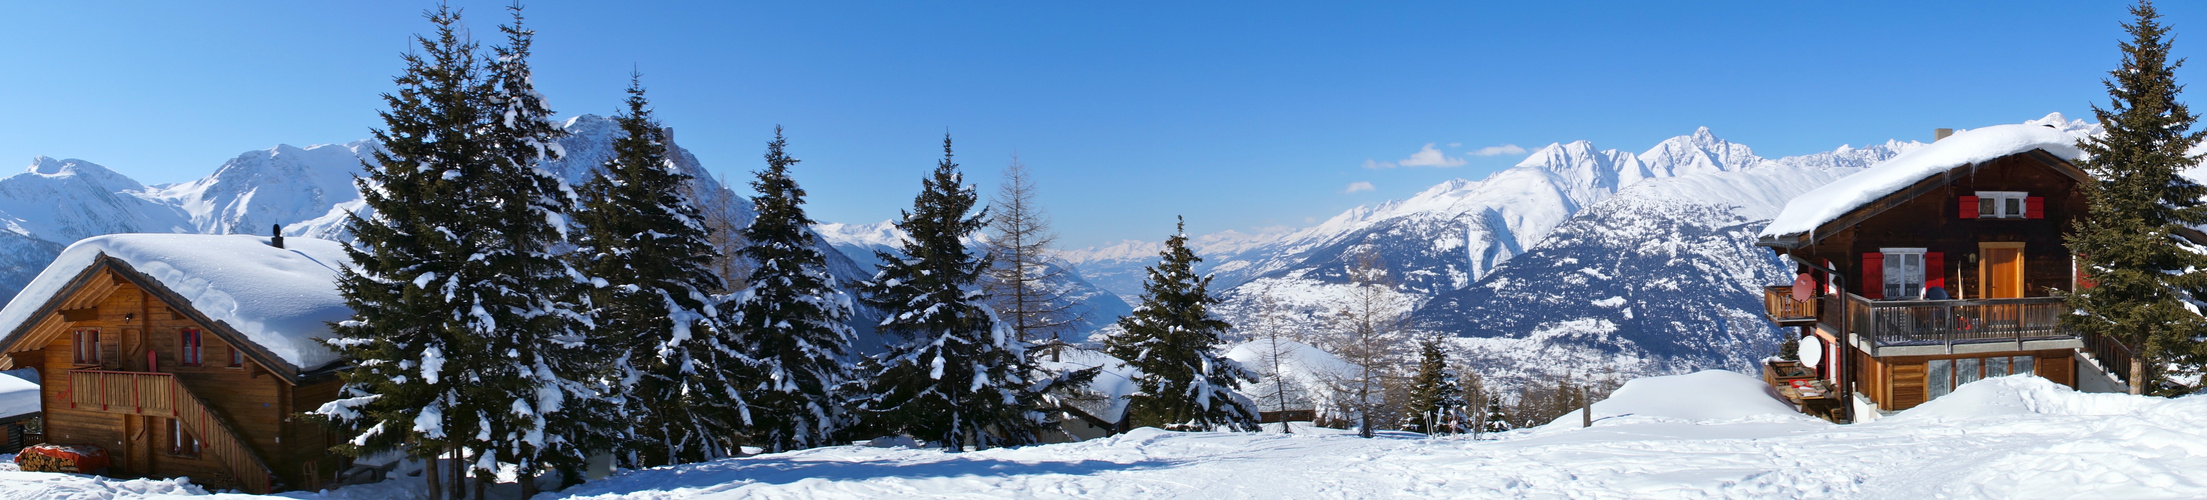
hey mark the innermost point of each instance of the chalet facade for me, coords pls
(1940, 267)
(187, 355)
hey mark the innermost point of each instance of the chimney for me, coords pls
(278, 239)
(1940, 133)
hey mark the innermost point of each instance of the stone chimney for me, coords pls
(277, 240)
(1940, 133)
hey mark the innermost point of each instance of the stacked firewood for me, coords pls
(62, 458)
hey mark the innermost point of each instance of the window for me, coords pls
(190, 350)
(181, 441)
(237, 357)
(1903, 273)
(86, 344)
(1943, 375)
(2001, 204)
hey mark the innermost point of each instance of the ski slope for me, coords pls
(1711, 434)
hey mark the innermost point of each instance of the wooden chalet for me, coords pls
(1940, 267)
(187, 355)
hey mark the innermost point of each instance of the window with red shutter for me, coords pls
(2034, 207)
(1969, 207)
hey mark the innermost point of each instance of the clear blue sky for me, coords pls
(1239, 116)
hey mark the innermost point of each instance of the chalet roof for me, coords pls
(279, 299)
(1811, 210)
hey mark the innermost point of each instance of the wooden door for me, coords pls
(2003, 272)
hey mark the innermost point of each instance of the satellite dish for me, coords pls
(1811, 351)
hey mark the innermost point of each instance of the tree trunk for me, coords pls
(429, 474)
(2137, 376)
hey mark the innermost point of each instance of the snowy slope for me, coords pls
(2008, 437)
(277, 186)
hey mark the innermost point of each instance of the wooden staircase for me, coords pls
(161, 395)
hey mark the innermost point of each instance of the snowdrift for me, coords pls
(1711, 396)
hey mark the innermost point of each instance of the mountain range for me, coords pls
(1576, 260)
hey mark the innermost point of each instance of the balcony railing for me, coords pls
(1950, 322)
(159, 394)
(1779, 305)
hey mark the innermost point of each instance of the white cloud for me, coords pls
(1358, 186)
(1375, 165)
(1310, 220)
(1429, 157)
(1455, 144)
(1505, 149)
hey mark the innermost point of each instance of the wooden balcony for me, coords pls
(1778, 304)
(160, 395)
(1947, 323)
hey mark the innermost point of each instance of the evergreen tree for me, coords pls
(407, 339)
(958, 376)
(793, 316)
(2143, 272)
(1173, 339)
(1498, 420)
(1436, 396)
(681, 368)
(536, 390)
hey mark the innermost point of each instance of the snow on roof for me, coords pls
(1825, 204)
(17, 395)
(1704, 396)
(280, 298)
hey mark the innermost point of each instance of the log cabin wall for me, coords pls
(1933, 221)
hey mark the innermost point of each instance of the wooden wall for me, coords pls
(1933, 221)
(1899, 382)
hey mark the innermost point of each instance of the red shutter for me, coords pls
(1934, 271)
(2034, 207)
(1969, 207)
(1873, 275)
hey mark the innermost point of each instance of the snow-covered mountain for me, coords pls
(307, 191)
(1094, 306)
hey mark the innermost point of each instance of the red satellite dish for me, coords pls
(1804, 288)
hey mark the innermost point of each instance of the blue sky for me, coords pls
(1239, 116)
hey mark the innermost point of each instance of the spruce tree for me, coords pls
(1173, 339)
(681, 367)
(407, 340)
(957, 376)
(1498, 420)
(2143, 272)
(793, 318)
(538, 392)
(1436, 396)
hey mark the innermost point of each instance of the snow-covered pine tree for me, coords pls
(1498, 420)
(1173, 338)
(793, 318)
(2147, 279)
(404, 340)
(680, 367)
(1436, 396)
(958, 377)
(540, 393)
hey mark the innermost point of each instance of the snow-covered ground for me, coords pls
(1705, 435)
